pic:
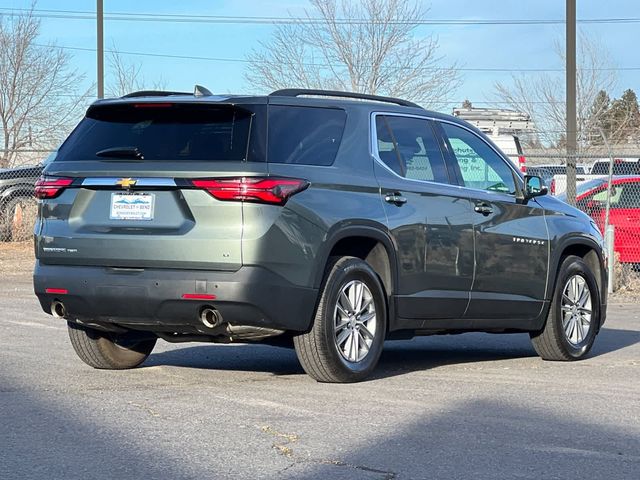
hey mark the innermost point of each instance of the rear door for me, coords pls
(132, 201)
(429, 219)
(511, 239)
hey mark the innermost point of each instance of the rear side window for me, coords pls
(305, 135)
(409, 147)
(166, 131)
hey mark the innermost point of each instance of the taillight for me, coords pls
(552, 188)
(522, 163)
(252, 189)
(51, 187)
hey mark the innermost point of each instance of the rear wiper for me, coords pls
(121, 152)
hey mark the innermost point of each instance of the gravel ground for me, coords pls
(466, 406)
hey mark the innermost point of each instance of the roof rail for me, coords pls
(296, 92)
(153, 93)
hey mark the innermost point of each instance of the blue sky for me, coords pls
(496, 46)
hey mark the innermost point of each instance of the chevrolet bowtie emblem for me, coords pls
(126, 182)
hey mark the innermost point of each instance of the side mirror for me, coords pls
(533, 187)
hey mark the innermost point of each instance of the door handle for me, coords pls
(483, 208)
(396, 198)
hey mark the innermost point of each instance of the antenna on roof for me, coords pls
(200, 91)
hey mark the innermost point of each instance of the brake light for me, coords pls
(522, 163)
(51, 187)
(153, 105)
(552, 187)
(252, 189)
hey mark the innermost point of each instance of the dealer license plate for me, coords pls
(132, 206)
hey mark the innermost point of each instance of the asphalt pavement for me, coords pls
(469, 406)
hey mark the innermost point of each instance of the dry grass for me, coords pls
(16, 258)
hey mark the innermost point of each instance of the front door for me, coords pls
(429, 219)
(511, 239)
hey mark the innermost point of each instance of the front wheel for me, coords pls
(574, 315)
(346, 339)
(109, 351)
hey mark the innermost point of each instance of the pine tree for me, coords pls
(625, 118)
(599, 118)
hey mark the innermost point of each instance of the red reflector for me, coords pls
(58, 291)
(51, 187)
(152, 105)
(522, 163)
(252, 189)
(198, 296)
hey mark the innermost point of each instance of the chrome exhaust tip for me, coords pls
(58, 309)
(210, 317)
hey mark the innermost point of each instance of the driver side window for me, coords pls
(481, 167)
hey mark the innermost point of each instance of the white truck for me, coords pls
(600, 169)
(502, 127)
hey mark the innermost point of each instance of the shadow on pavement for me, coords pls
(399, 357)
(46, 436)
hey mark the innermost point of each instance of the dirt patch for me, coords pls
(16, 258)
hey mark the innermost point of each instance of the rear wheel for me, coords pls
(574, 316)
(346, 339)
(110, 351)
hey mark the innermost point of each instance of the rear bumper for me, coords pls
(151, 299)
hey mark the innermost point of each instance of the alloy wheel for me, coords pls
(355, 321)
(576, 309)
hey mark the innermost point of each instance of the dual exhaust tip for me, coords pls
(209, 316)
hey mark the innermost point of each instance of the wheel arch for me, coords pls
(591, 253)
(367, 243)
(19, 190)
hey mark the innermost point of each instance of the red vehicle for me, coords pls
(624, 213)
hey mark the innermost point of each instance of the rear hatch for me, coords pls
(124, 189)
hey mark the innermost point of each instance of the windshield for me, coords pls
(160, 131)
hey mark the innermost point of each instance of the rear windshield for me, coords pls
(305, 135)
(166, 131)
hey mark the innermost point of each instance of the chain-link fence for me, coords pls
(608, 190)
(19, 171)
(614, 205)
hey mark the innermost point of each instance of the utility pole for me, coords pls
(100, 49)
(571, 100)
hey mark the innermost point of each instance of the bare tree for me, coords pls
(39, 99)
(126, 77)
(366, 46)
(543, 96)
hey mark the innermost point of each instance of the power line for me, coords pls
(327, 65)
(226, 19)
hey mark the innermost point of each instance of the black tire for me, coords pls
(109, 351)
(317, 350)
(18, 216)
(552, 342)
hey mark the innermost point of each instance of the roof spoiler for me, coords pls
(198, 91)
